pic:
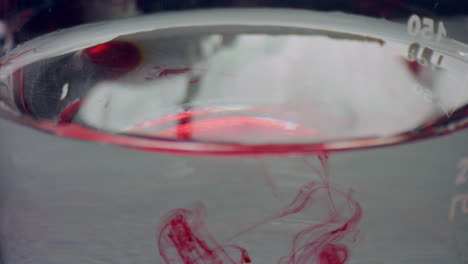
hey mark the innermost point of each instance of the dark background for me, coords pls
(30, 18)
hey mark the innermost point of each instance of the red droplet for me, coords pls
(116, 58)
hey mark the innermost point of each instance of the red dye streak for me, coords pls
(320, 243)
(67, 115)
(116, 57)
(168, 72)
(14, 56)
(162, 72)
(183, 238)
(325, 176)
(245, 255)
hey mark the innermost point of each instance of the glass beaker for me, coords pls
(233, 131)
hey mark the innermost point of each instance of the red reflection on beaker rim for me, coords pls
(116, 58)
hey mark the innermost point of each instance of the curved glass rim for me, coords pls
(215, 148)
(227, 16)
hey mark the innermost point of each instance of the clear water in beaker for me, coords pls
(237, 127)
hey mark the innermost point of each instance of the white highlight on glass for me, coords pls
(65, 90)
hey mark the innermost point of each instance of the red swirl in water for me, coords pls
(183, 238)
(333, 254)
(321, 243)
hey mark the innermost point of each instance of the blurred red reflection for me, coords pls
(116, 58)
(210, 124)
